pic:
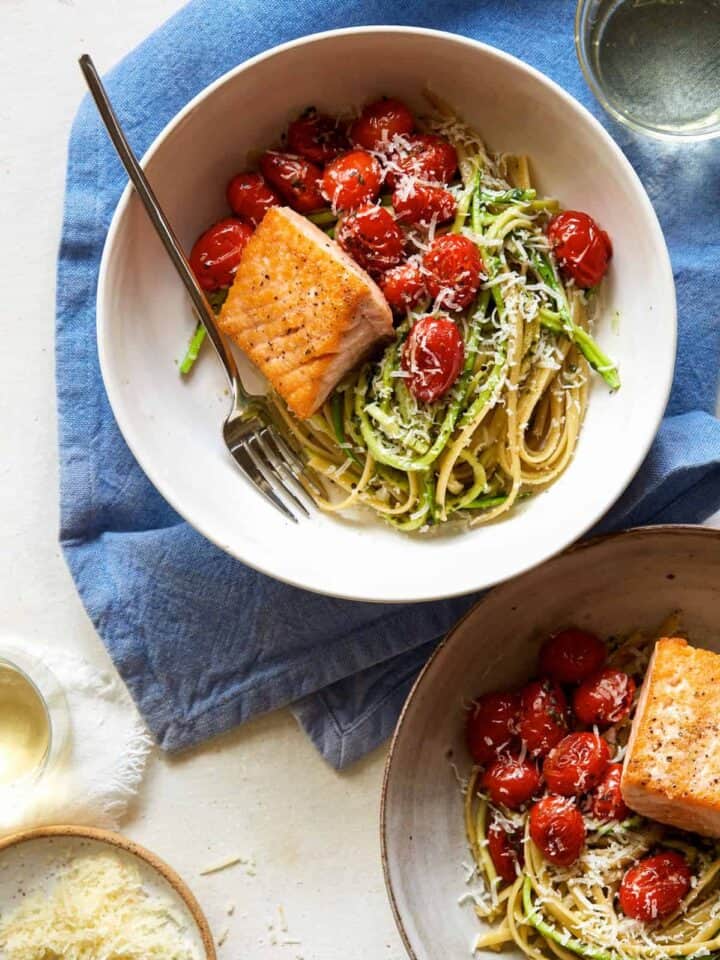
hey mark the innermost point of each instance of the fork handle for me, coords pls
(159, 220)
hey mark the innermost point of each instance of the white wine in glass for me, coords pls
(24, 726)
(654, 64)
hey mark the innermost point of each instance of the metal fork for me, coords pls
(250, 431)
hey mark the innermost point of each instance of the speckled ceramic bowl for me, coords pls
(30, 860)
(611, 585)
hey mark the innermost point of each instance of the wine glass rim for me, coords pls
(627, 120)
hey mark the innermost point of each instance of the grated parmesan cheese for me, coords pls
(247, 862)
(97, 908)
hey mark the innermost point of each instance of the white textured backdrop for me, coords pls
(262, 793)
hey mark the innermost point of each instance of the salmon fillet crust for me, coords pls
(672, 764)
(301, 310)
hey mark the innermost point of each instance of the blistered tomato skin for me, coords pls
(372, 238)
(352, 180)
(426, 157)
(606, 800)
(403, 286)
(379, 122)
(296, 179)
(492, 725)
(582, 249)
(423, 203)
(250, 197)
(217, 252)
(576, 764)
(504, 852)
(604, 698)
(433, 356)
(317, 137)
(571, 656)
(655, 886)
(557, 829)
(511, 780)
(543, 721)
(454, 271)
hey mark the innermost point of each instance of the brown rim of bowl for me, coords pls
(672, 529)
(129, 846)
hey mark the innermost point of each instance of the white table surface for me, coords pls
(261, 791)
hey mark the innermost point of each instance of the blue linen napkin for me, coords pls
(202, 641)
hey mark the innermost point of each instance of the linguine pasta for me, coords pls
(551, 911)
(510, 424)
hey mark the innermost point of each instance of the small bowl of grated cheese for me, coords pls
(85, 893)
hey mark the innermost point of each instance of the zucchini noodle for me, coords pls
(551, 911)
(510, 424)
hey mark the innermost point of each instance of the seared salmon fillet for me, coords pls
(301, 310)
(672, 764)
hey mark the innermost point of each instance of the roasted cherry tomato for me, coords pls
(454, 269)
(571, 656)
(403, 286)
(542, 716)
(372, 238)
(511, 781)
(576, 764)
(380, 122)
(433, 355)
(426, 157)
(655, 886)
(582, 249)
(216, 254)
(606, 800)
(604, 698)
(352, 180)
(250, 197)
(423, 203)
(295, 179)
(317, 137)
(492, 725)
(557, 830)
(505, 852)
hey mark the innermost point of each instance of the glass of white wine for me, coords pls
(33, 718)
(654, 65)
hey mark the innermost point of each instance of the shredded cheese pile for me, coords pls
(97, 909)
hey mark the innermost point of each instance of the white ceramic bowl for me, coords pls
(144, 321)
(611, 585)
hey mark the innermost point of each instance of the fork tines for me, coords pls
(274, 469)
